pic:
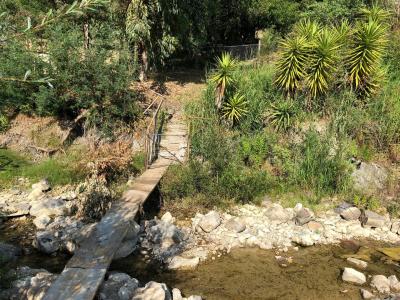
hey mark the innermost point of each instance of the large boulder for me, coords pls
(353, 276)
(118, 286)
(210, 221)
(46, 242)
(152, 291)
(369, 177)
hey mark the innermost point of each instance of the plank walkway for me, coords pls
(85, 271)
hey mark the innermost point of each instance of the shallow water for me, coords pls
(255, 274)
(243, 274)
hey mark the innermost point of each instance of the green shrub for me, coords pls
(4, 123)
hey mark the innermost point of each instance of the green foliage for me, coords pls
(222, 76)
(138, 162)
(322, 166)
(363, 61)
(291, 67)
(4, 123)
(311, 56)
(235, 109)
(366, 202)
(281, 115)
(269, 41)
(323, 62)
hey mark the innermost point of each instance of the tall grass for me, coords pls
(59, 171)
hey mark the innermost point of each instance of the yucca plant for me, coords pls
(375, 13)
(281, 115)
(323, 62)
(235, 109)
(291, 66)
(364, 58)
(222, 76)
(307, 28)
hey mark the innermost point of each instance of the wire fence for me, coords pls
(240, 52)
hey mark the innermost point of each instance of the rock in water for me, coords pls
(360, 264)
(371, 219)
(369, 177)
(394, 283)
(351, 213)
(46, 242)
(381, 283)
(366, 294)
(210, 221)
(353, 276)
(118, 286)
(176, 294)
(183, 263)
(152, 291)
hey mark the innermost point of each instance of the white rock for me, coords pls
(43, 185)
(168, 218)
(126, 248)
(381, 283)
(152, 291)
(303, 239)
(394, 283)
(360, 264)
(179, 262)
(176, 294)
(193, 297)
(210, 221)
(353, 276)
(366, 294)
(42, 221)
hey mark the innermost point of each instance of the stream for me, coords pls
(244, 273)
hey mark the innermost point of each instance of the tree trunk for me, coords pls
(86, 36)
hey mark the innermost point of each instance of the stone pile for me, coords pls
(34, 283)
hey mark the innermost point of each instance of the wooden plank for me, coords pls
(76, 284)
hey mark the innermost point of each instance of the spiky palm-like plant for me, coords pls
(375, 13)
(364, 58)
(323, 62)
(281, 115)
(235, 108)
(307, 28)
(291, 66)
(223, 76)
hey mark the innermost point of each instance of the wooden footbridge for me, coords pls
(85, 271)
